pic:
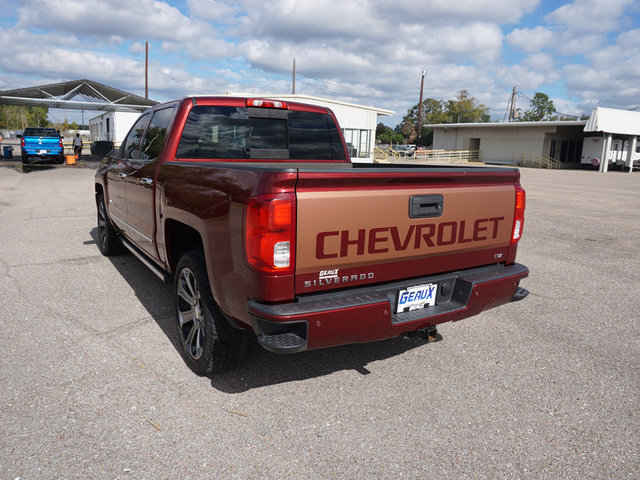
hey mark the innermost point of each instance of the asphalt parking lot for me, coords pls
(92, 385)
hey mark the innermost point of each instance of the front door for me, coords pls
(140, 182)
(118, 173)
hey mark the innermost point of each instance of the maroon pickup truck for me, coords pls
(254, 209)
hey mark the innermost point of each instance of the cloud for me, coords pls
(612, 78)
(530, 39)
(364, 51)
(210, 10)
(435, 12)
(590, 16)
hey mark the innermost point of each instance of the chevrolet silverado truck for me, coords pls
(41, 145)
(252, 208)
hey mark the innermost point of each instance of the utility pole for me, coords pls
(293, 88)
(512, 108)
(146, 69)
(424, 73)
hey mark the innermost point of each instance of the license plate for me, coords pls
(417, 297)
(41, 152)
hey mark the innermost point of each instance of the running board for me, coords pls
(161, 274)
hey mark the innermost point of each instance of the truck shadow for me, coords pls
(259, 368)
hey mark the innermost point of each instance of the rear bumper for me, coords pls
(367, 314)
(50, 157)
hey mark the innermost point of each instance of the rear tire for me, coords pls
(108, 241)
(209, 343)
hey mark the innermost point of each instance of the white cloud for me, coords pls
(541, 62)
(589, 16)
(365, 51)
(434, 12)
(212, 10)
(530, 39)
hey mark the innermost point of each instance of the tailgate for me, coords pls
(42, 143)
(362, 227)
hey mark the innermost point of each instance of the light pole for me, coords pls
(424, 73)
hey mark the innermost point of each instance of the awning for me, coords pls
(76, 95)
(611, 120)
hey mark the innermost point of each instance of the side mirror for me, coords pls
(101, 148)
(18, 136)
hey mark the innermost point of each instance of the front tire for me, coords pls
(108, 241)
(209, 343)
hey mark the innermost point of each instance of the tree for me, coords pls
(16, 117)
(387, 136)
(465, 109)
(432, 112)
(540, 108)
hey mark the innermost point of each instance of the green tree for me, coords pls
(17, 117)
(432, 112)
(462, 109)
(466, 109)
(540, 108)
(388, 136)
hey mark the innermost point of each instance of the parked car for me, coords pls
(405, 150)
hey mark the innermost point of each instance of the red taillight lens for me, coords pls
(22, 142)
(270, 233)
(518, 215)
(61, 145)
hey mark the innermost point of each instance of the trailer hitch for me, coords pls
(429, 334)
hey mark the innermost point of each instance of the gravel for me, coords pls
(92, 384)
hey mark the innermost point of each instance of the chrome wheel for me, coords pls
(191, 317)
(209, 344)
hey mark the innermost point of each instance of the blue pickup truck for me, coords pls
(41, 145)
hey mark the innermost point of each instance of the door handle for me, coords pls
(426, 206)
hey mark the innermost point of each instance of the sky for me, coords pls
(582, 53)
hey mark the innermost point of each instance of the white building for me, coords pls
(502, 142)
(613, 133)
(112, 126)
(358, 122)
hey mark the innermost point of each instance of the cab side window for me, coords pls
(131, 145)
(155, 134)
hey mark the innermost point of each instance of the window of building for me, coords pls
(358, 142)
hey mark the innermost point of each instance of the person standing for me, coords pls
(77, 146)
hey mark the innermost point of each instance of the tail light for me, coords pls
(518, 215)
(270, 233)
(61, 145)
(22, 142)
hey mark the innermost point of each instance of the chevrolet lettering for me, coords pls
(424, 235)
(253, 210)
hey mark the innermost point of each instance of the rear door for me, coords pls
(367, 226)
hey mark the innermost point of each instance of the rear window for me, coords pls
(222, 132)
(40, 132)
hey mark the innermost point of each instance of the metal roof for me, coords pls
(76, 95)
(558, 123)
